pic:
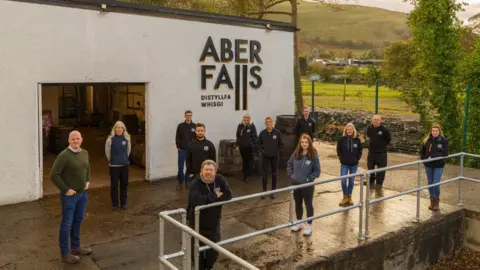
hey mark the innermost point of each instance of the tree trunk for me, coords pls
(297, 77)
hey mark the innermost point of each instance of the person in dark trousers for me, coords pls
(117, 150)
(71, 175)
(208, 187)
(379, 139)
(183, 136)
(199, 150)
(246, 141)
(434, 145)
(305, 125)
(269, 142)
(304, 167)
(349, 151)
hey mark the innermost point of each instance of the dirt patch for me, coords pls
(462, 260)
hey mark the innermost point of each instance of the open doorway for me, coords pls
(92, 109)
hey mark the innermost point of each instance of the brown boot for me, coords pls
(81, 251)
(431, 204)
(349, 198)
(344, 201)
(436, 205)
(70, 259)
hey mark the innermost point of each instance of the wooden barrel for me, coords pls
(138, 154)
(286, 124)
(229, 158)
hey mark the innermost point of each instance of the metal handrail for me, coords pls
(164, 216)
(187, 231)
(291, 223)
(419, 187)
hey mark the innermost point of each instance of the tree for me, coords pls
(397, 72)
(470, 72)
(435, 34)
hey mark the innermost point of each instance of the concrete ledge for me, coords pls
(472, 230)
(412, 247)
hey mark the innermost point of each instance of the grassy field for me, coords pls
(352, 22)
(358, 97)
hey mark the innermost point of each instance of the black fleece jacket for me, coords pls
(379, 137)
(270, 142)
(246, 135)
(349, 150)
(184, 134)
(201, 193)
(197, 152)
(432, 148)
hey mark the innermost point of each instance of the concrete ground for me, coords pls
(129, 239)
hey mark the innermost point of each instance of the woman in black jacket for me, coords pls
(246, 141)
(349, 151)
(434, 145)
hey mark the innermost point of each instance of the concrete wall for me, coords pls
(51, 44)
(413, 247)
(472, 230)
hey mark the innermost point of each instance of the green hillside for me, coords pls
(354, 28)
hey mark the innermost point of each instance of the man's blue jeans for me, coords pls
(73, 211)
(181, 176)
(433, 176)
(348, 184)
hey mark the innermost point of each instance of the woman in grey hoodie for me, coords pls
(303, 167)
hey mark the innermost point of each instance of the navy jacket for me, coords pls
(432, 148)
(117, 150)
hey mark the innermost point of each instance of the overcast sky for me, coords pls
(399, 5)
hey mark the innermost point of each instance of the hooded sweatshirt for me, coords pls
(197, 152)
(303, 170)
(201, 193)
(432, 148)
(349, 150)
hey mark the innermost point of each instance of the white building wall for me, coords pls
(50, 44)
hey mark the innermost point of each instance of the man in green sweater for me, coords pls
(71, 174)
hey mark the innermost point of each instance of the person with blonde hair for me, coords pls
(434, 145)
(269, 141)
(117, 150)
(246, 141)
(304, 167)
(349, 151)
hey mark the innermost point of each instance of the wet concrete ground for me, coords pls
(129, 239)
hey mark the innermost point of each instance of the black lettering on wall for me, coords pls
(255, 48)
(237, 87)
(223, 78)
(209, 51)
(226, 50)
(254, 73)
(239, 50)
(244, 86)
(204, 76)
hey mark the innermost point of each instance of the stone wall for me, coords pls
(406, 133)
(413, 247)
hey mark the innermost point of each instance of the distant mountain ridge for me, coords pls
(352, 28)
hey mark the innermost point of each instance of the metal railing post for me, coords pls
(360, 210)
(184, 242)
(188, 251)
(290, 207)
(459, 181)
(161, 241)
(419, 185)
(197, 242)
(367, 205)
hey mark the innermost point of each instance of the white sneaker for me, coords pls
(297, 227)
(308, 230)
